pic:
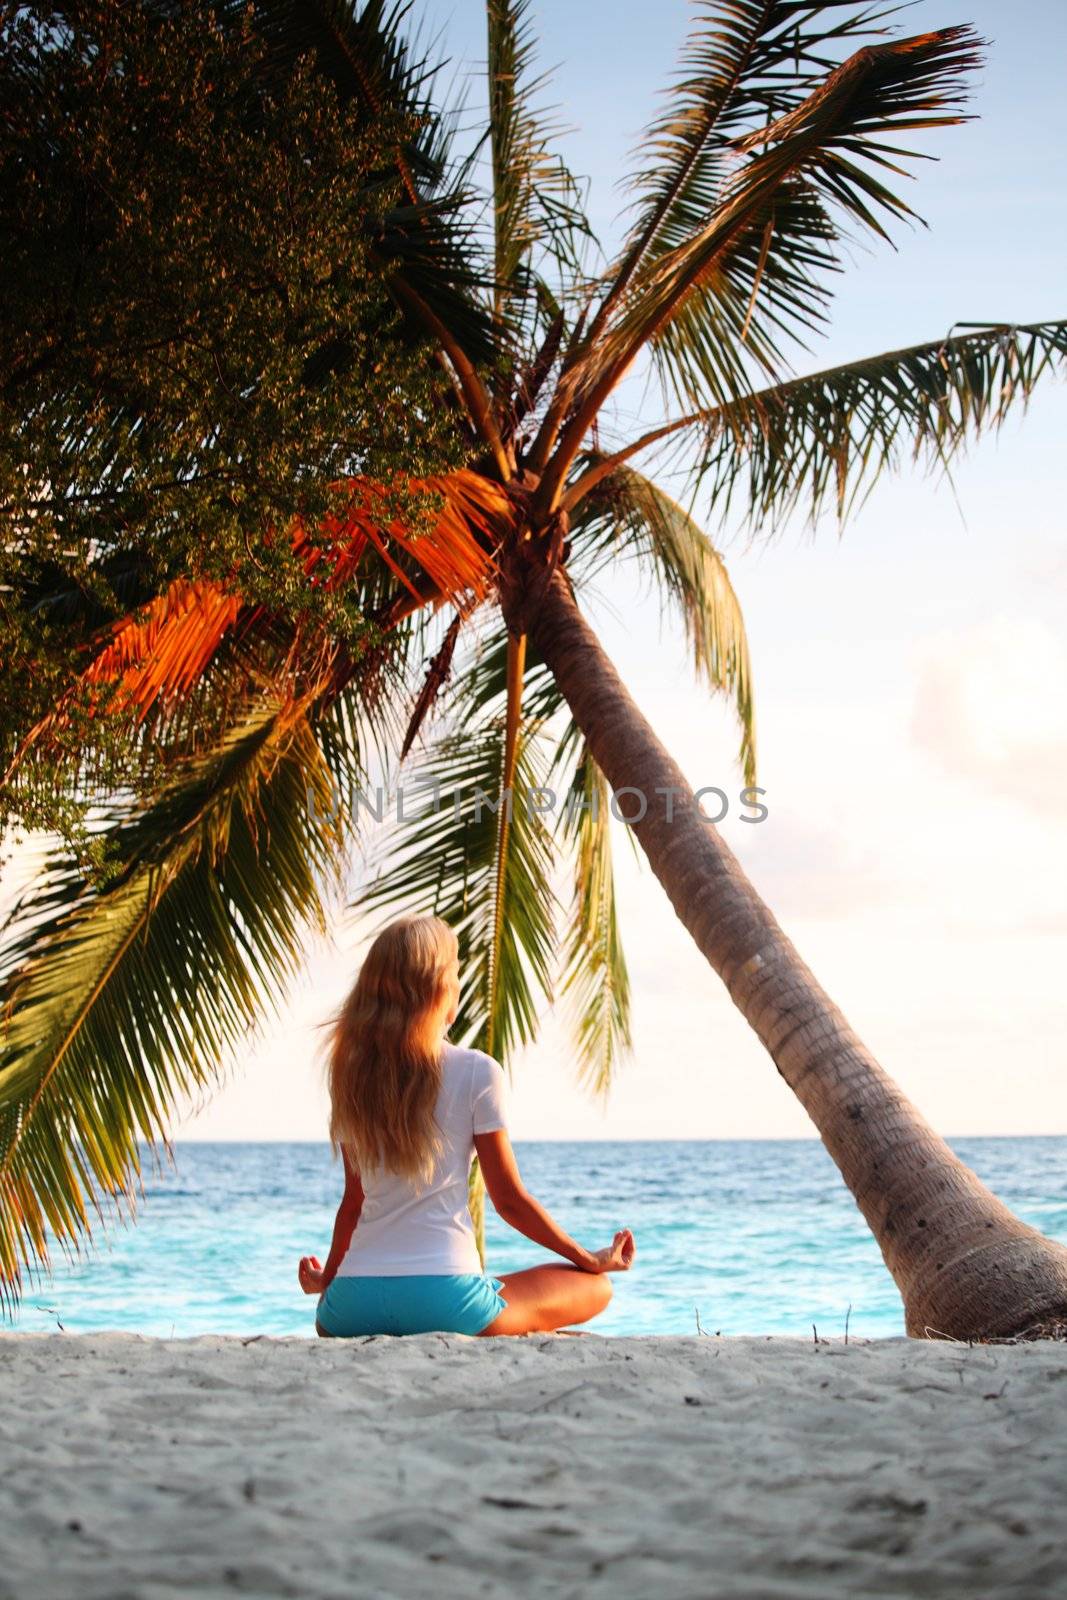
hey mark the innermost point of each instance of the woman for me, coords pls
(408, 1110)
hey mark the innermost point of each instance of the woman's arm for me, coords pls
(314, 1278)
(515, 1205)
(345, 1223)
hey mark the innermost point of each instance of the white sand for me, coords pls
(447, 1467)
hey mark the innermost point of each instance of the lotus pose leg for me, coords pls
(543, 1299)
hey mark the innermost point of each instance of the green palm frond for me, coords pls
(536, 202)
(769, 290)
(484, 683)
(444, 861)
(117, 1003)
(626, 514)
(345, 725)
(771, 239)
(825, 439)
(595, 981)
(513, 969)
(745, 61)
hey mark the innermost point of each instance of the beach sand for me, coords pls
(548, 1466)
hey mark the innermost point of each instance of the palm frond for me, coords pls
(452, 544)
(117, 1003)
(436, 677)
(627, 514)
(766, 295)
(443, 529)
(513, 734)
(770, 241)
(536, 201)
(163, 649)
(483, 690)
(826, 438)
(744, 61)
(595, 981)
(443, 859)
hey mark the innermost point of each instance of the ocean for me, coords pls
(733, 1236)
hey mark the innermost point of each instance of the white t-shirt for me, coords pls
(403, 1229)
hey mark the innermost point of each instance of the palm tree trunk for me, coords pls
(965, 1266)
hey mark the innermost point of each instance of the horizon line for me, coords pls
(745, 1138)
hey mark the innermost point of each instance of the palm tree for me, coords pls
(774, 141)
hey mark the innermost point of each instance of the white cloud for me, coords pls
(991, 708)
(815, 871)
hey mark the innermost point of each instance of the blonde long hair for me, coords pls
(384, 1067)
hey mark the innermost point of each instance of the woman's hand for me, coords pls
(618, 1256)
(310, 1273)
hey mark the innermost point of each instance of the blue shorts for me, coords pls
(430, 1303)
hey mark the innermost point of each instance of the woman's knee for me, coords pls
(582, 1295)
(603, 1291)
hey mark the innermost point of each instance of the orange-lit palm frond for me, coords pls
(455, 552)
(165, 648)
(162, 650)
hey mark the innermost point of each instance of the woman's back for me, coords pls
(404, 1229)
(403, 1258)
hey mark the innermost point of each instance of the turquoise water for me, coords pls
(752, 1236)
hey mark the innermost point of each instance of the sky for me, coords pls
(910, 676)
